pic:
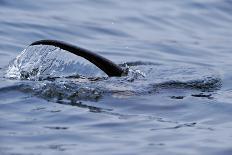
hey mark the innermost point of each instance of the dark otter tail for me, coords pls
(110, 68)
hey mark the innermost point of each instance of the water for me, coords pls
(175, 100)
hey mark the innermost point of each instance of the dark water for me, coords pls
(177, 98)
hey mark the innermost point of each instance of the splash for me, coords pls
(57, 75)
(41, 62)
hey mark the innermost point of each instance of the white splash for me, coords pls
(37, 62)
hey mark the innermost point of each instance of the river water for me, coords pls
(176, 98)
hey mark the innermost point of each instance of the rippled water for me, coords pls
(176, 98)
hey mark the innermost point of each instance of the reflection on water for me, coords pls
(176, 98)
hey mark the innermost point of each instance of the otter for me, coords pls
(106, 65)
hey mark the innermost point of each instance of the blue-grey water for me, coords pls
(176, 98)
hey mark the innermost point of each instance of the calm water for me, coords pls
(177, 98)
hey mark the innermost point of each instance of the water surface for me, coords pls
(175, 100)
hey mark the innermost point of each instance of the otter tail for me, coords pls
(110, 68)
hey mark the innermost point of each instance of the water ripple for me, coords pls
(176, 98)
